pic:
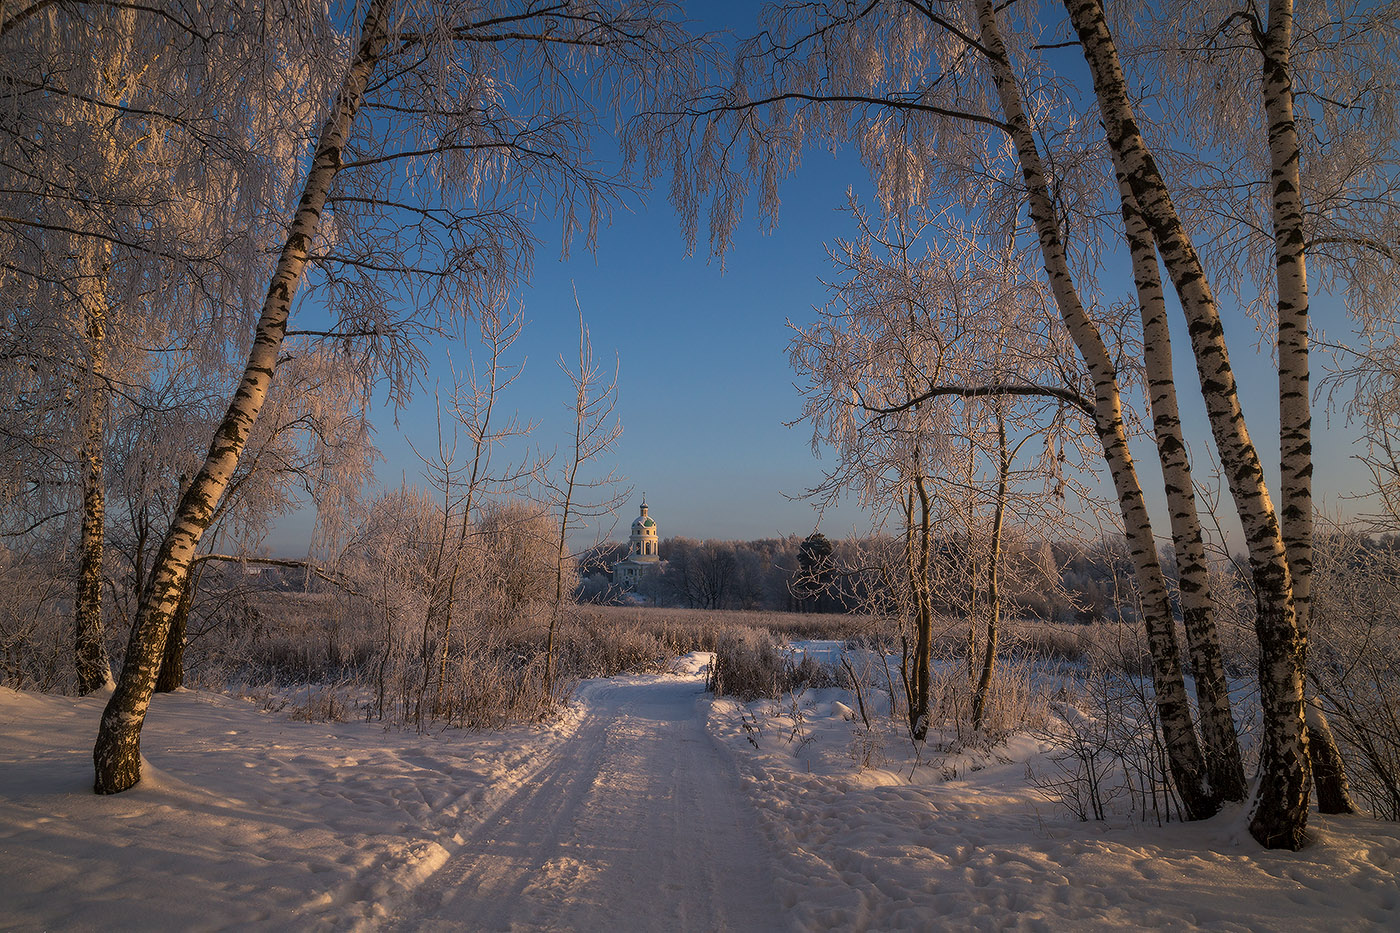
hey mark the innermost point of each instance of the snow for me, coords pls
(647, 806)
(967, 841)
(242, 817)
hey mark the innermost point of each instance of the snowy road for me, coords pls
(637, 822)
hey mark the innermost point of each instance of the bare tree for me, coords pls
(915, 355)
(574, 495)
(465, 486)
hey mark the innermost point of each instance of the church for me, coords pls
(643, 554)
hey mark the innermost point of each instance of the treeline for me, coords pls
(789, 574)
(1058, 581)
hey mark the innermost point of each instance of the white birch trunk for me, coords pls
(1173, 707)
(1279, 815)
(117, 754)
(1224, 763)
(1294, 394)
(1295, 412)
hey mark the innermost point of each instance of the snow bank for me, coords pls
(871, 838)
(242, 818)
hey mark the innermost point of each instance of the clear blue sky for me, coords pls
(705, 386)
(704, 383)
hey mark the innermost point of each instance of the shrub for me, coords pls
(748, 664)
(1108, 752)
(1354, 662)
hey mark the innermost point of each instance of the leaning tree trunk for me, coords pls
(1280, 811)
(1294, 396)
(1224, 763)
(117, 754)
(172, 663)
(1169, 687)
(1329, 771)
(94, 671)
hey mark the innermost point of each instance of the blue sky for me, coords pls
(704, 382)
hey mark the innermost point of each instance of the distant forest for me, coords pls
(1050, 581)
(1057, 582)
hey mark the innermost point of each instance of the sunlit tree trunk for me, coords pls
(1173, 707)
(1279, 814)
(1221, 744)
(1295, 402)
(989, 649)
(117, 754)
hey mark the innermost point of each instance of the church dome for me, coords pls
(644, 525)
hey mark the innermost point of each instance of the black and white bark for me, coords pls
(1220, 741)
(117, 753)
(1279, 813)
(1294, 392)
(1173, 707)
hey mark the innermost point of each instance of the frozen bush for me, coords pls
(1354, 662)
(1108, 752)
(748, 664)
(36, 650)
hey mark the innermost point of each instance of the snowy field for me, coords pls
(648, 807)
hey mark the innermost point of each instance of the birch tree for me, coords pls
(1279, 812)
(487, 109)
(930, 96)
(128, 193)
(1311, 105)
(1220, 741)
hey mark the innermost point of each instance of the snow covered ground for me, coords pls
(870, 836)
(243, 819)
(625, 815)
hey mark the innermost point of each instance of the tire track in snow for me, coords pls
(637, 822)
